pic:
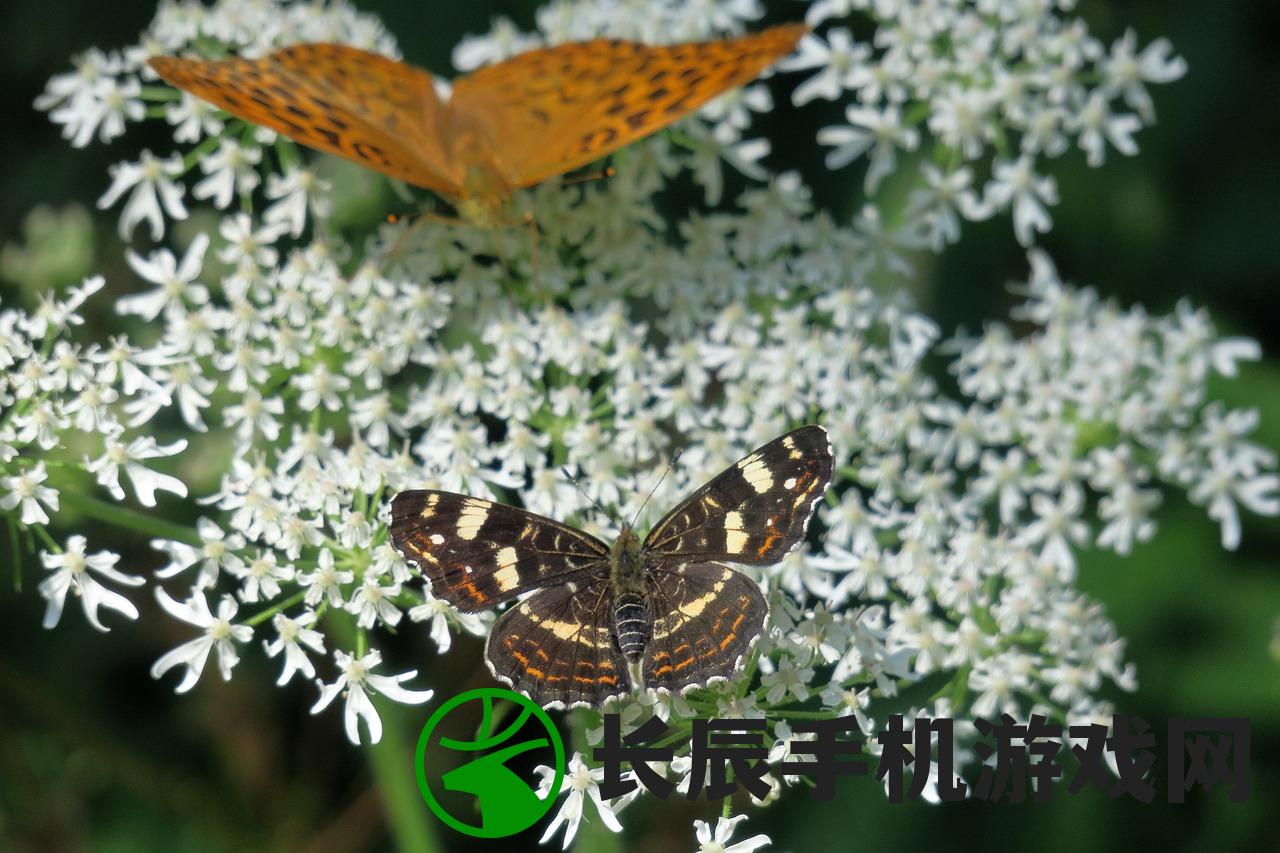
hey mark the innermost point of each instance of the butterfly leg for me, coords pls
(533, 247)
(416, 223)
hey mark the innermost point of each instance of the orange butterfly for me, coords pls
(505, 127)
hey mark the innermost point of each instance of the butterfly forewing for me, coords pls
(377, 112)
(556, 109)
(478, 554)
(557, 647)
(754, 511)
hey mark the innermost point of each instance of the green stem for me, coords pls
(15, 552)
(391, 762)
(47, 539)
(800, 715)
(259, 618)
(131, 519)
(592, 835)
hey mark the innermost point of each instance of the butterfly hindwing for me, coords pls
(478, 553)
(707, 617)
(557, 647)
(754, 511)
(377, 112)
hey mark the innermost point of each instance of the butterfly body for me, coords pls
(504, 127)
(663, 611)
(632, 622)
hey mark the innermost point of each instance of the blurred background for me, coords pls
(95, 755)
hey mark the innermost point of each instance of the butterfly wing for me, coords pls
(707, 617)
(553, 110)
(753, 512)
(478, 554)
(557, 648)
(377, 112)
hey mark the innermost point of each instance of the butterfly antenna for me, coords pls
(595, 503)
(675, 457)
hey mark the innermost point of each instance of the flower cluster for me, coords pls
(977, 95)
(323, 372)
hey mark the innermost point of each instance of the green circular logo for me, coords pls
(507, 803)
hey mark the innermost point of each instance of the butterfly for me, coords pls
(663, 613)
(505, 127)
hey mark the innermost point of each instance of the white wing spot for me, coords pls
(563, 630)
(506, 575)
(472, 518)
(437, 539)
(789, 484)
(735, 539)
(693, 608)
(756, 473)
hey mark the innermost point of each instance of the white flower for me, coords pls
(1128, 71)
(1018, 184)
(71, 571)
(1223, 485)
(245, 244)
(582, 783)
(27, 489)
(298, 191)
(217, 551)
(193, 118)
(177, 288)
(841, 65)
(961, 118)
(145, 481)
(92, 67)
(879, 131)
(1127, 512)
(154, 193)
(717, 841)
(291, 636)
(374, 602)
(219, 634)
(103, 107)
(261, 575)
(1057, 527)
(787, 679)
(1098, 126)
(326, 581)
(357, 681)
(229, 171)
(441, 613)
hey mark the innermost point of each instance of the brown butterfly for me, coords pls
(505, 127)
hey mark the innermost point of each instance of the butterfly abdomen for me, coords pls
(631, 623)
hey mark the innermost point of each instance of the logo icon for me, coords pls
(506, 802)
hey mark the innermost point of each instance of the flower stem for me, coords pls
(15, 552)
(391, 762)
(130, 519)
(593, 835)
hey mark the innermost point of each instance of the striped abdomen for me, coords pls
(631, 622)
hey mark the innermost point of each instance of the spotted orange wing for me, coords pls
(375, 111)
(556, 109)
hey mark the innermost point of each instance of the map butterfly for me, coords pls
(665, 612)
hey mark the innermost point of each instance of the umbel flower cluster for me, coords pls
(296, 368)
